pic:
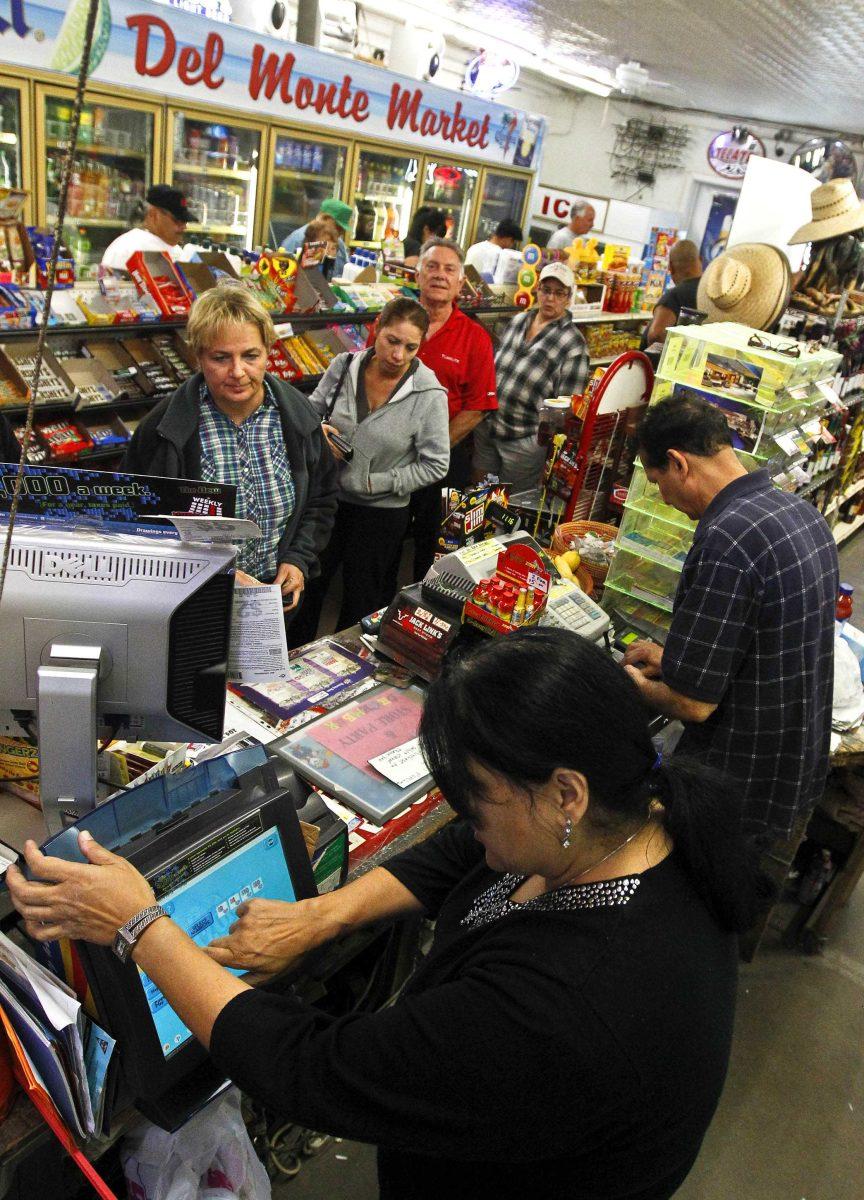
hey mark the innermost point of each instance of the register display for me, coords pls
(201, 892)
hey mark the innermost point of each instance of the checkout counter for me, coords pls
(421, 625)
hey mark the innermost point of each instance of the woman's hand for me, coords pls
(327, 430)
(88, 902)
(269, 936)
(292, 581)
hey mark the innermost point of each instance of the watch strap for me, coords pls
(127, 935)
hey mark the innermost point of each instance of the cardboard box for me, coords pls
(104, 431)
(94, 384)
(155, 275)
(18, 759)
(519, 570)
(55, 386)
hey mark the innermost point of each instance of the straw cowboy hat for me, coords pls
(749, 284)
(836, 209)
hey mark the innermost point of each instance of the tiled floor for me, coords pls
(791, 1122)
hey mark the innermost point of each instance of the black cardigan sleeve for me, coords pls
(433, 868)
(477, 1067)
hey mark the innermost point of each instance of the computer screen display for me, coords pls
(201, 891)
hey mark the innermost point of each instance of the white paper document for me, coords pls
(403, 765)
(214, 529)
(259, 648)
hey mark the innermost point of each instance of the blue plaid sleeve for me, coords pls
(712, 628)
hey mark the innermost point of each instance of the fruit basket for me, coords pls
(569, 530)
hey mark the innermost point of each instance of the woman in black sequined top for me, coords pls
(567, 1036)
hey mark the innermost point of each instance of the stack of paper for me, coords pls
(67, 1054)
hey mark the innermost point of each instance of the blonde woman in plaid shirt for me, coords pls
(541, 354)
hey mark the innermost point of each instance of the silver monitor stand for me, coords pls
(66, 715)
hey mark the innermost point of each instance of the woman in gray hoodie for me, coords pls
(385, 417)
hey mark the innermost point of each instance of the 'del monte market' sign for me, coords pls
(168, 52)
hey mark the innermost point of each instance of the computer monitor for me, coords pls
(102, 634)
(244, 842)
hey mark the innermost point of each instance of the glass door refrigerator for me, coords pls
(14, 121)
(450, 187)
(302, 172)
(502, 196)
(382, 191)
(118, 144)
(215, 163)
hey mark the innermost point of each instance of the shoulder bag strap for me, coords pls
(334, 395)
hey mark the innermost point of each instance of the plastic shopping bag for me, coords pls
(209, 1158)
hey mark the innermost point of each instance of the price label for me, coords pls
(829, 393)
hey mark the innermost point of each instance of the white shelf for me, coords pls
(208, 172)
(304, 176)
(606, 359)
(847, 495)
(608, 318)
(843, 532)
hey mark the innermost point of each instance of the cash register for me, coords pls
(451, 579)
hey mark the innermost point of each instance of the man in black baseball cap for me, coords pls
(162, 228)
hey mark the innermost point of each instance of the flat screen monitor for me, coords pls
(103, 633)
(244, 842)
(201, 891)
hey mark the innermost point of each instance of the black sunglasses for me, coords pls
(792, 349)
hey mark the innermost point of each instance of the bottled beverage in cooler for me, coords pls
(85, 127)
(317, 160)
(391, 229)
(99, 124)
(80, 247)
(193, 144)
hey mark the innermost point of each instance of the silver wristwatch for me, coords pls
(127, 935)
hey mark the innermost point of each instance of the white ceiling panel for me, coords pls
(793, 63)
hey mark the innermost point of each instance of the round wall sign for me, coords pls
(729, 152)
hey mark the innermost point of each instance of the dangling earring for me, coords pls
(568, 829)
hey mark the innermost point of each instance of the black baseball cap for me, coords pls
(171, 200)
(510, 229)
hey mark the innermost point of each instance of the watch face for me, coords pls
(122, 944)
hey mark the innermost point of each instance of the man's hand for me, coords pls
(86, 901)
(292, 582)
(244, 580)
(268, 937)
(639, 678)
(647, 656)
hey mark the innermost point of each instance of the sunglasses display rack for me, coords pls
(776, 398)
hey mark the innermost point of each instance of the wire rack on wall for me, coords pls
(642, 148)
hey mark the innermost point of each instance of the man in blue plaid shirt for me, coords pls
(748, 665)
(542, 354)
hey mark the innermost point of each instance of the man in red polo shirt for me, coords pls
(459, 351)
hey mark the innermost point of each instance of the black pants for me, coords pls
(366, 543)
(425, 507)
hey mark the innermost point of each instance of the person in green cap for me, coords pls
(332, 210)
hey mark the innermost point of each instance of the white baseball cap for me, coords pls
(559, 271)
